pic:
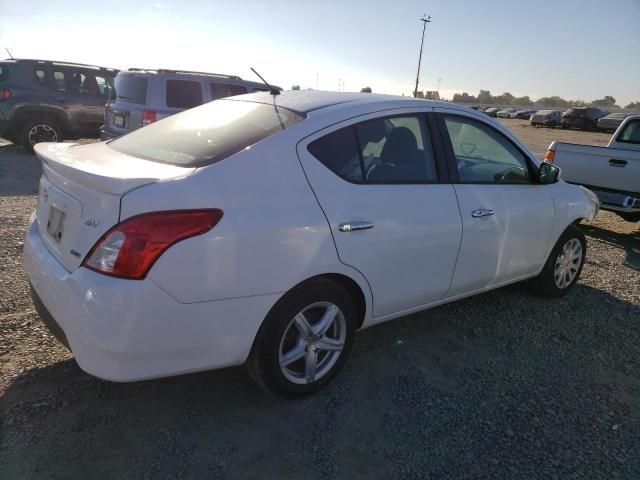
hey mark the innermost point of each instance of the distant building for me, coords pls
(432, 95)
(418, 94)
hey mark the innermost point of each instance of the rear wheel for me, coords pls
(40, 130)
(564, 265)
(305, 339)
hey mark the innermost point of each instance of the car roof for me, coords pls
(305, 101)
(18, 61)
(187, 74)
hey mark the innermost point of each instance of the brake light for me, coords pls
(130, 248)
(5, 94)
(548, 157)
(148, 116)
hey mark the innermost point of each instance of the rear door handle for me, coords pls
(617, 163)
(358, 225)
(482, 212)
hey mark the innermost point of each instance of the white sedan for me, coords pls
(267, 229)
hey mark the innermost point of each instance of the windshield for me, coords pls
(206, 134)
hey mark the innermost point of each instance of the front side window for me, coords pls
(631, 133)
(383, 150)
(222, 90)
(183, 94)
(39, 76)
(59, 81)
(103, 85)
(483, 155)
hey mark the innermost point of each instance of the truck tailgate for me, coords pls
(605, 167)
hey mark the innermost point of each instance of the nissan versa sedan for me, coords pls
(266, 229)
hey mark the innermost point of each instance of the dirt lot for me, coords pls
(502, 385)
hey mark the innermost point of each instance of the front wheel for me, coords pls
(305, 339)
(564, 265)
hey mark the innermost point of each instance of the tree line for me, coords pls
(485, 97)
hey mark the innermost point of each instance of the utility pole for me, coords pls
(439, 80)
(425, 19)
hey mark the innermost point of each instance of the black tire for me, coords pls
(545, 283)
(263, 363)
(49, 131)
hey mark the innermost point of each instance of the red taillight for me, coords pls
(148, 116)
(130, 248)
(5, 94)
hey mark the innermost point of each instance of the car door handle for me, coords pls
(482, 212)
(352, 226)
(617, 163)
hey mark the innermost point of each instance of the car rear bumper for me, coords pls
(127, 330)
(106, 134)
(622, 202)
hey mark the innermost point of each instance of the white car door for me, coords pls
(379, 180)
(507, 216)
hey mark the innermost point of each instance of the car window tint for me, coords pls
(396, 150)
(483, 155)
(84, 83)
(103, 86)
(206, 134)
(4, 72)
(338, 151)
(631, 133)
(131, 89)
(221, 90)
(183, 94)
(39, 77)
(59, 81)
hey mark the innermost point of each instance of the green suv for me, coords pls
(49, 101)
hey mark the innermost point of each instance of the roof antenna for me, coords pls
(272, 90)
(9, 53)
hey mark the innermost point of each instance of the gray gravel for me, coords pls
(502, 385)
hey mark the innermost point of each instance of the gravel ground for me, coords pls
(501, 385)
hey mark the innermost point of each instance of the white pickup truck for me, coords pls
(611, 172)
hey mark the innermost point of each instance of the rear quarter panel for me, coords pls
(273, 234)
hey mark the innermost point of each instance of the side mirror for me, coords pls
(548, 173)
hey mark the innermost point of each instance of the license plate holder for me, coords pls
(118, 120)
(55, 223)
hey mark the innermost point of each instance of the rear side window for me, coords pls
(39, 76)
(59, 81)
(4, 72)
(221, 90)
(131, 89)
(183, 94)
(206, 134)
(631, 133)
(338, 151)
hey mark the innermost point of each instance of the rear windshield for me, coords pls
(4, 72)
(131, 89)
(206, 134)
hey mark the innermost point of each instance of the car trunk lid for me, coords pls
(80, 192)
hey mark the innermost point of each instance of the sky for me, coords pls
(577, 49)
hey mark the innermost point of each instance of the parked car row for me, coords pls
(49, 101)
(583, 118)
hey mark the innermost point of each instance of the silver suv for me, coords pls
(143, 96)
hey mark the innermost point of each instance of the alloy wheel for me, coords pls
(312, 343)
(568, 263)
(42, 133)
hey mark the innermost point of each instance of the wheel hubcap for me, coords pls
(567, 263)
(312, 343)
(42, 133)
